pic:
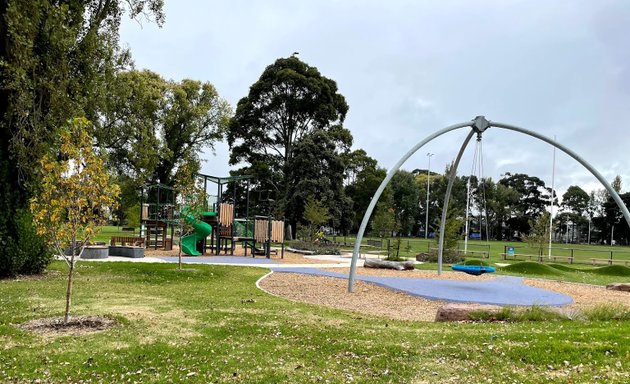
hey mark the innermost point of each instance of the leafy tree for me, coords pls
(195, 117)
(290, 103)
(316, 215)
(533, 199)
(384, 223)
(614, 218)
(133, 216)
(74, 197)
(153, 126)
(538, 236)
(130, 123)
(316, 170)
(364, 177)
(357, 162)
(452, 231)
(437, 189)
(575, 200)
(58, 59)
(616, 184)
(405, 197)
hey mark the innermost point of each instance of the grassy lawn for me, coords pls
(213, 325)
(560, 272)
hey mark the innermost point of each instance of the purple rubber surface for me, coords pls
(505, 290)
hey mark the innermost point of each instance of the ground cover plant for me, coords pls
(214, 325)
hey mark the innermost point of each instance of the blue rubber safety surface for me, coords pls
(241, 260)
(507, 290)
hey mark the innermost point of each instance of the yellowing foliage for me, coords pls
(75, 193)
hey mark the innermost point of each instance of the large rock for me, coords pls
(462, 312)
(619, 287)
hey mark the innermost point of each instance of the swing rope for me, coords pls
(477, 169)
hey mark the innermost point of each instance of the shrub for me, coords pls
(133, 216)
(22, 251)
(319, 249)
(607, 312)
(448, 257)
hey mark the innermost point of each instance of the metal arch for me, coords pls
(381, 188)
(480, 124)
(577, 157)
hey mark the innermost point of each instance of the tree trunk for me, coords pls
(398, 265)
(179, 254)
(66, 317)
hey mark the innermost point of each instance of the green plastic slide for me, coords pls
(201, 230)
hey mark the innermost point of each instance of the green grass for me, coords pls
(476, 262)
(581, 252)
(561, 272)
(612, 270)
(531, 268)
(214, 325)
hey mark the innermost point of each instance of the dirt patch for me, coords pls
(367, 298)
(78, 325)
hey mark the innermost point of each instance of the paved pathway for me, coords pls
(252, 262)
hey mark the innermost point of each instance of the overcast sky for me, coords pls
(410, 68)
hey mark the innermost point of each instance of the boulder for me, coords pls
(619, 287)
(462, 311)
(397, 265)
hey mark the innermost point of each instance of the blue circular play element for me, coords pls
(473, 269)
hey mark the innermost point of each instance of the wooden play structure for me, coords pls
(157, 202)
(228, 230)
(267, 231)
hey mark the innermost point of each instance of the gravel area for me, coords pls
(367, 298)
(374, 300)
(584, 296)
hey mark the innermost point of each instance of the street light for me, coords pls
(426, 221)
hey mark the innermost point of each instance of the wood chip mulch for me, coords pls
(371, 299)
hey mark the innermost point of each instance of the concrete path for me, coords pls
(251, 262)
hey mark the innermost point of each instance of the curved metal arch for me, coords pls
(480, 124)
(381, 188)
(585, 164)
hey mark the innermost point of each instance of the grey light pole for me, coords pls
(426, 219)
